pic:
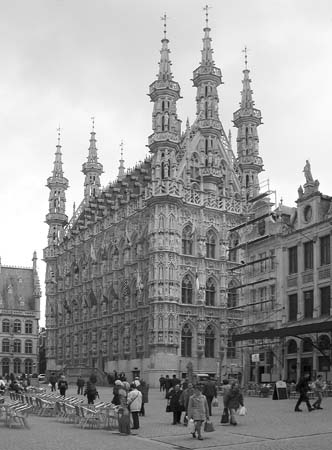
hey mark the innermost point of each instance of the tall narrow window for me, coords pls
(308, 249)
(292, 307)
(5, 326)
(5, 346)
(292, 260)
(17, 346)
(231, 350)
(17, 365)
(28, 347)
(28, 366)
(209, 342)
(308, 304)
(325, 301)
(28, 327)
(324, 250)
(187, 290)
(17, 326)
(186, 341)
(187, 240)
(232, 298)
(210, 245)
(210, 293)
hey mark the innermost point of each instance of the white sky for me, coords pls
(64, 61)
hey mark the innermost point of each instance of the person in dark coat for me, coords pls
(175, 405)
(233, 399)
(116, 397)
(175, 381)
(91, 392)
(162, 383)
(52, 381)
(303, 387)
(144, 388)
(62, 385)
(80, 384)
(210, 392)
(168, 385)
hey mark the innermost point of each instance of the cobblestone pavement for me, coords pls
(269, 425)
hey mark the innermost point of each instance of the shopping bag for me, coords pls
(168, 408)
(242, 411)
(215, 402)
(191, 426)
(225, 416)
(208, 427)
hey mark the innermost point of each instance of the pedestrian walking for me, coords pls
(318, 387)
(210, 392)
(168, 385)
(80, 385)
(303, 388)
(134, 403)
(52, 381)
(162, 383)
(144, 388)
(175, 405)
(91, 392)
(62, 385)
(225, 388)
(198, 410)
(184, 401)
(233, 399)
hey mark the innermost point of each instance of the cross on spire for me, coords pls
(206, 9)
(164, 19)
(245, 51)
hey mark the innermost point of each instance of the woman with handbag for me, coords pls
(233, 399)
(198, 410)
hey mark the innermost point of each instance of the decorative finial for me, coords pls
(245, 51)
(206, 9)
(121, 146)
(59, 133)
(164, 19)
(93, 123)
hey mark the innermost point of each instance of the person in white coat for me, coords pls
(134, 403)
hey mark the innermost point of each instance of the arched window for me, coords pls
(187, 290)
(209, 342)
(231, 349)
(307, 345)
(210, 245)
(28, 326)
(17, 346)
(324, 342)
(186, 341)
(210, 293)
(5, 345)
(17, 366)
(28, 346)
(187, 240)
(28, 366)
(292, 346)
(17, 326)
(5, 326)
(232, 297)
(5, 366)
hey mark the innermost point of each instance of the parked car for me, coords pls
(42, 378)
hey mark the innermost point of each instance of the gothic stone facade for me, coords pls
(137, 280)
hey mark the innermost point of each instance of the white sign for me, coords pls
(255, 357)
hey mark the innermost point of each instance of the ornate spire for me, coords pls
(247, 119)
(57, 167)
(165, 92)
(165, 72)
(92, 169)
(207, 77)
(121, 173)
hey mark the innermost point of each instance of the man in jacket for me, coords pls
(210, 391)
(134, 403)
(303, 387)
(80, 384)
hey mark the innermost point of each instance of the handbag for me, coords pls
(242, 411)
(191, 426)
(215, 402)
(208, 426)
(225, 416)
(168, 407)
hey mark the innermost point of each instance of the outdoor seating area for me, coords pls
(16, 407)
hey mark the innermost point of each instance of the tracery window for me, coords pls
(186, 341)
(210, 245)
(187, 290)
(209, 342)
(187, 240)
(210, 293)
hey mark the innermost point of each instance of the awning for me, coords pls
(316, 327)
